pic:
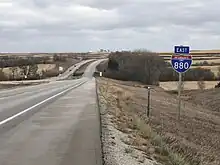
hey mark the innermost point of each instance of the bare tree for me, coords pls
(24, 70)
(2, 75)
(32, 72)
(218, 73)
(140, 65)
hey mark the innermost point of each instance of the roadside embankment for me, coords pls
(129, 137)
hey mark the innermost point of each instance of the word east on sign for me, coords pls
(181, 60)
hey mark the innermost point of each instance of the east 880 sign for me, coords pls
(181, 63)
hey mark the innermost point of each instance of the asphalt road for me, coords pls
(51, 124)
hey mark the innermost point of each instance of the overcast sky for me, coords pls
(82, 25)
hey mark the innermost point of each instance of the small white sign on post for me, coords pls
(61, 69)
(100, 74)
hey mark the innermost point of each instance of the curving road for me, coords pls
(51, 124)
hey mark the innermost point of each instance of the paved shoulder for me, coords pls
(85, 145)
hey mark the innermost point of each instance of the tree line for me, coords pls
(7, 61)
(149, 68)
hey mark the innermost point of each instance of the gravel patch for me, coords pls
(115, 151)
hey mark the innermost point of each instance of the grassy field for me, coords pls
(197, 58)
(211, 56)
(193, 140)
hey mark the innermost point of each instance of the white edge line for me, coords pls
(36, 105)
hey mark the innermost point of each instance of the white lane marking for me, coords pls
(36, 105)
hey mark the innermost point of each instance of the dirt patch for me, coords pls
(193, 140)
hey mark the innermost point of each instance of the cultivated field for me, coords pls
(196, 52)
(195, 61)
(188, 85)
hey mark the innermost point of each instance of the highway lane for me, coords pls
(13, 104)
(51, 124)
(29, 89)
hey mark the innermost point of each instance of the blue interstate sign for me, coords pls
(181, 63)
(181, 49)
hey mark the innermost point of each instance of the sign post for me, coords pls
(181, 62)
(179, 94)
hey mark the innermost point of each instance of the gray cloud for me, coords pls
(82, 25)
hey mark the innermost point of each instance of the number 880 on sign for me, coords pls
(181, 65)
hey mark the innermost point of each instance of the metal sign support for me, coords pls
(179, 95)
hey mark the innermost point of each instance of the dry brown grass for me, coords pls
(194, 139)
(141, 136)
(208, 98)
(209, 61)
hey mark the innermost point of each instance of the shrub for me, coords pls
(193, 74)
(196, 74)
(3, 77)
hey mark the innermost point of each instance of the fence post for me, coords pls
(148, 102)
